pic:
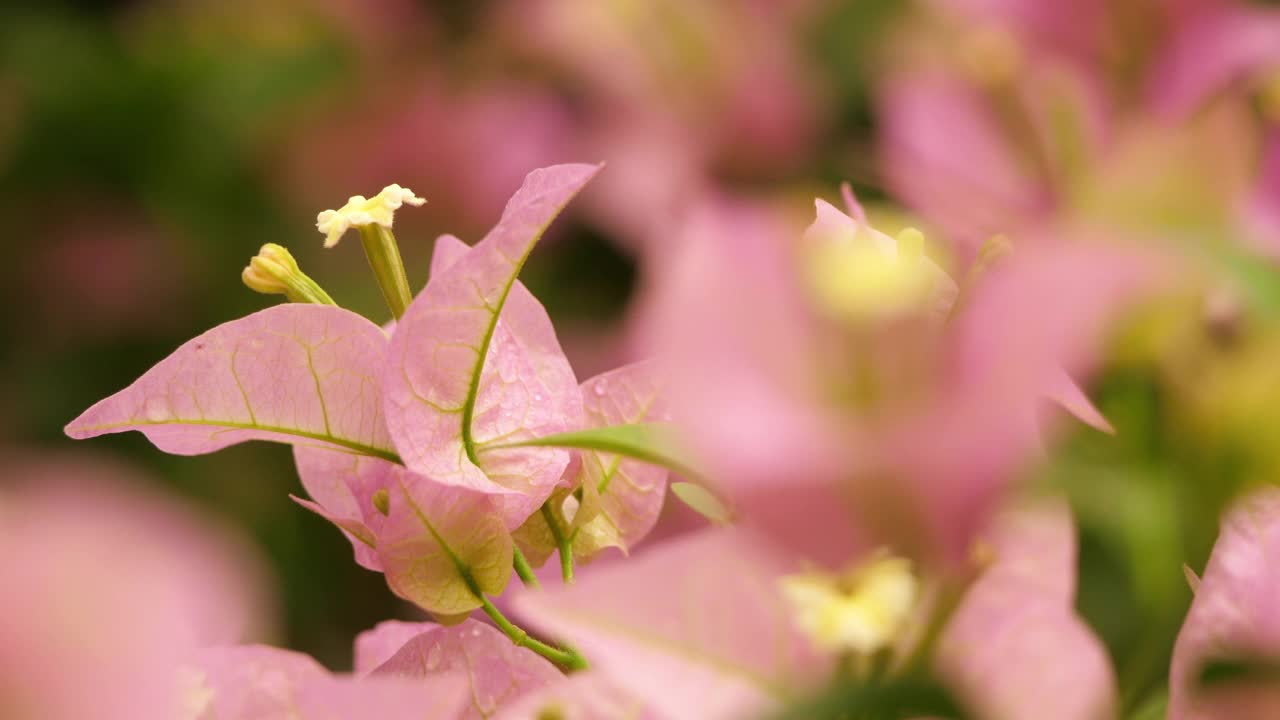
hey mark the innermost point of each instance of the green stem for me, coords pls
(384, 257)
(569, 659)
(525, 572)
(562, 544)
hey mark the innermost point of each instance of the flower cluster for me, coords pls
(858, 416)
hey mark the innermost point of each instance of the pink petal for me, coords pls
(304, 374)
(441, 697)
(945, 154)
(1064, 391)
(431, 528)
(1015, 648)
(728, 317)
(1262, 208)
(376, 646)
(250, 681)
(668, 626)
(437, 381)
(497, 671)
(630, 492)
(448, 250)
(1233, 614)
(1045, 309)
(343, 485)
(621, 498)
(583, 696)
(1211, 51)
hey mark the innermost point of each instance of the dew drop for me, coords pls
(598, 389)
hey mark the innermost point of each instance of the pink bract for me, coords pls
(495, 670)
(263, 683)
(660, 628)
(1015, 641)
(87, 635)
(620, 497)
(442, 409)
(1233, 616)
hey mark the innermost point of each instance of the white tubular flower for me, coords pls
(360, 211)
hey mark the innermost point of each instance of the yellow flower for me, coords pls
(360, 211)
(862, 611)
(857, 272)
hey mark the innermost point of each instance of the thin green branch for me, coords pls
(521, 564)
(569, 659)
(563, 544)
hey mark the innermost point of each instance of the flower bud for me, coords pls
(273, 271)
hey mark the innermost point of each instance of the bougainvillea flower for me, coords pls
(251, 682)
(397, 439)
(496, 672)
(1233, 617)
(87, 635)
(654, 628)
(805, 415)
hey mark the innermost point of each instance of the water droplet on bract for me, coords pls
(599, 389)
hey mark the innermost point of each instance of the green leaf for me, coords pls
(649, 442)
(703, 502)
(896, 699)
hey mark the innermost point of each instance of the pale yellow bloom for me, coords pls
(861, 611)
(857, 272)
(379, 209)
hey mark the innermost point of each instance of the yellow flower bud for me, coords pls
(273, 271)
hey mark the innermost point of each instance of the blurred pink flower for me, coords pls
(110, 588)
(658, 628)
(802, 418)
(1233, 616)
(1004, 131)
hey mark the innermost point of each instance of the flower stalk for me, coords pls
(568, 658)
(384, 257)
